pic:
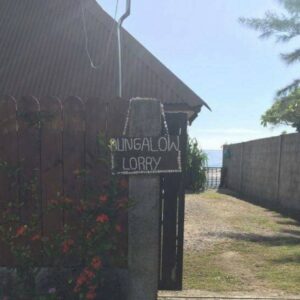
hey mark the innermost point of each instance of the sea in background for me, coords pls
(215, 158)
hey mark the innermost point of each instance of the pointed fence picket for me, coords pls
(9, 160)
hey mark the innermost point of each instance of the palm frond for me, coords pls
(283, 28)
(292, 6)
(289, 88)
(291, 57)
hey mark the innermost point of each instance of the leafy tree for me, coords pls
(283, 28)
(196, 163)
(285, 110)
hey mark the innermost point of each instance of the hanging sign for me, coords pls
(145, 155)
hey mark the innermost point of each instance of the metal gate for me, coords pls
(213, 177)
(172, 196)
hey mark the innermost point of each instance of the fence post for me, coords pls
(241, 169)
(279, 168)
(143, 230)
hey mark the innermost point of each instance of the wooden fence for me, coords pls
(49, 141)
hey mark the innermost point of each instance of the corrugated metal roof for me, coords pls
(42, 52)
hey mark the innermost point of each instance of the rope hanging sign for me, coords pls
(146, 155)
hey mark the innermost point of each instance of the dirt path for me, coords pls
(234, 248)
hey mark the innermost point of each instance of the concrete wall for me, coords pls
(265, 170)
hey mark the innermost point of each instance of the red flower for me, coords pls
(66, 245)
(76, 172)
(36, 237)
(67, 200)
(91, 295)
(81, 279)
(79, 282)
(103, 218)
(96, 263)
(122, 203)
(88, 273)
(123, 183)
(89, 235)
(92, 288)
(103, 199)
(118, 228)
(54, 202)
(21, 230)
(80, 208)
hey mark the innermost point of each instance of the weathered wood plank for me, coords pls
(29, 120)
(52, 162)
(74, 146)
(8, 163)
(97, 157)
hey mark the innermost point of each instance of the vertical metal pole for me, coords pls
(121, 20)
(120, 61)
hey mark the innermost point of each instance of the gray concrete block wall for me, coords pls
(266, 170)
(289, 188)
(233, 162)
(259, 169)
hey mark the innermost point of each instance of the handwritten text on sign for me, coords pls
(146, 155)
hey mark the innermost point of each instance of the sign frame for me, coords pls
(160, 151)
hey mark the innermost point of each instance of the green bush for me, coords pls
(196, 163)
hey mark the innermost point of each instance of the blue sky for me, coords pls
(225, 63)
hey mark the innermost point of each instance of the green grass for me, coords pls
(201, 272)
(278, 266)
(272, 267)
(264, 255)
(212, 194)
(248, 222)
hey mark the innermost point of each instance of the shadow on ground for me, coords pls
(292, 232)
(288, 260)
(273, 240)
(270, 206)
(289, 222)
(287, 235)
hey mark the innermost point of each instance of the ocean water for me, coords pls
(214, 158)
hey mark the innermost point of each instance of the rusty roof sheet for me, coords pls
(43, 52)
